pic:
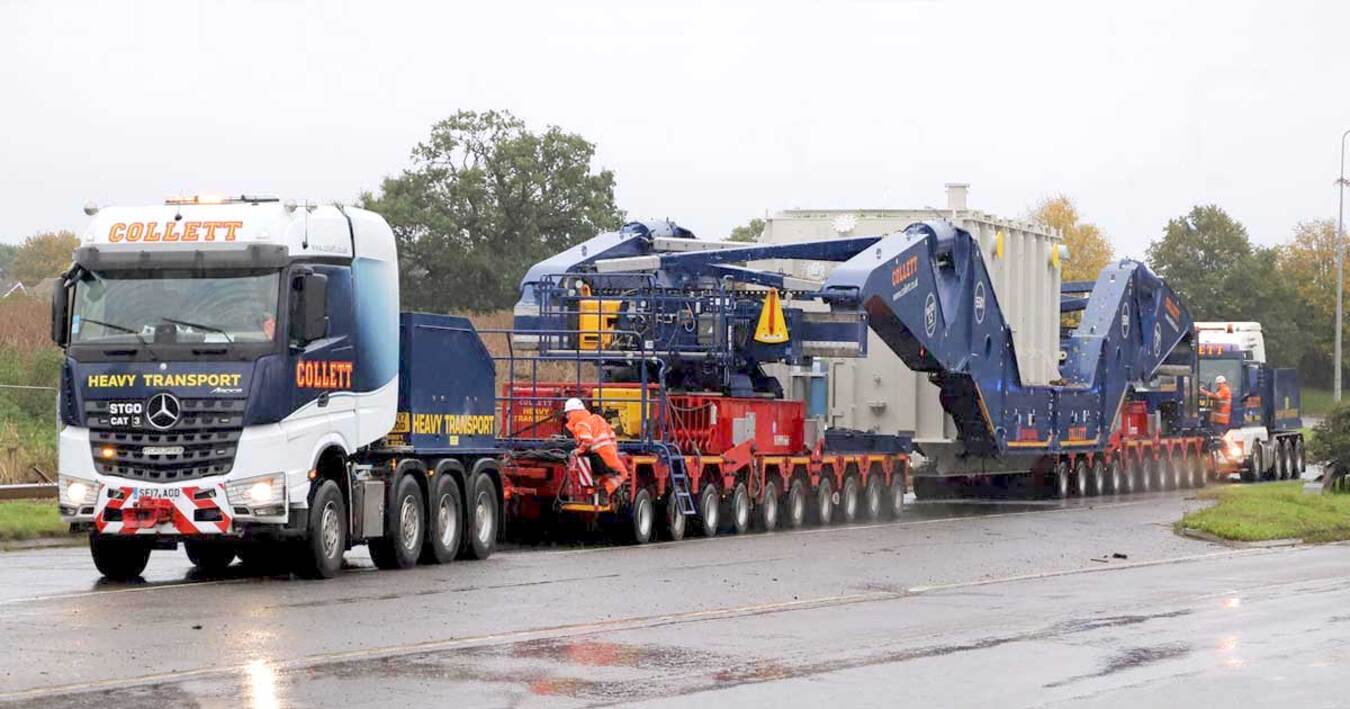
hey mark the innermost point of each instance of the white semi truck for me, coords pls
(238, 379)
(1263, 438)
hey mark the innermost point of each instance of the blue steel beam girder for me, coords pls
(929, 296)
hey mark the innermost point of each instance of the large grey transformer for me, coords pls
(879, 393)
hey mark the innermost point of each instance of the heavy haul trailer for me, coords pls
(674, 360)
(238, 379)
(1263, 439)
(1120, 416)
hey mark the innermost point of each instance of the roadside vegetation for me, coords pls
(27, 416)
(30, 519)
(1258, 513)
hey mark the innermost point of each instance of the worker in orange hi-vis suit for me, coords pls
(594, 436)
(1222, 412)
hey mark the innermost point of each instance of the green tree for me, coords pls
(1207, 257)
(484, 199)
(748, 232)
(1089, 249)
(1307, 263)
(7, 252)
(43, 255)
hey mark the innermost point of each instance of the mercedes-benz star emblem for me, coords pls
(162, 411)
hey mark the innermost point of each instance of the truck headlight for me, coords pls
(257, 491)
(76, 491)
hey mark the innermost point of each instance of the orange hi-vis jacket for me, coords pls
(1223, 405)
(594, 434)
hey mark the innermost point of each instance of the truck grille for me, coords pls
(207, 431)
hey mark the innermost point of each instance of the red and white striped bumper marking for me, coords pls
(165, 510)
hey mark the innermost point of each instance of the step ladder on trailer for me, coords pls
(679, 477)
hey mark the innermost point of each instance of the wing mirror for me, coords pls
(309, 308)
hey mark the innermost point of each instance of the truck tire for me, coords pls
(709, 509)
(1300, 458)
(1143, 481)
(873, 504)
(675, 521)
(1113, 477)
(796, 504)
(119, 558)
(642, 515)
(1096, 477)
(849, 500)
(481, 522)
(1129, 475)
(1170, 475)
(1286, 469)
(1059, 480)
(405, 528)
(766, 515)
(1255, 468)
(210, 557)
(1080, 478)
(1198, 470)
(896, 496)
(738, 517)
(445, 521)
(824, 502)
(319, 554)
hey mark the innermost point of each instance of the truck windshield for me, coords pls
(1231, 369)
(217, 307)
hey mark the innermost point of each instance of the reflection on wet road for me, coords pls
(1013, 605)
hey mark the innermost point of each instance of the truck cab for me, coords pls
(215, 354)
(1262, 436)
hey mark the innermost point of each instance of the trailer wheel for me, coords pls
(119, 558)
(1127, 475)
(709, 509)
(481, 521)
(210, 557)
(1300, 460)
(896, 495)
(445, 521)
(673, 525)
(1198, 471)
(402, 541)
(739, 519)
(796, 504)
(643, 516)
(1172, 471)
(824, 502)
(319, 555)
(1145, 473)
(849, 500)
(1080, 478)
(872, 498)
(767, 514)
(1060, 480)
(1112, 479)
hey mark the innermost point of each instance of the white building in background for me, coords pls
(879, 393)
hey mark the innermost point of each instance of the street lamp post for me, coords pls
(1340, 270)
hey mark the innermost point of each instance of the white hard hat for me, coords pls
(1220, 379)
(573, 404)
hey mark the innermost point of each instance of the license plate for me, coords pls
(162, 450)
(149, 493)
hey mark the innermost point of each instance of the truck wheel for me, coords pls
(709, 509)
(211, 557)
(739, 519)
(643, 516)
(1256, 465)
(1198, 470)
(766, 516)
(1126, 476)
(319, 554)
(896, 495)
(402, 541)
(796, 504)
(824, 502)
(1286, 469)
(1096, 477)
(1300, 460)
(481, 521)
(1112, 478)
(872, 503)
(1060, 481)
(1144, 481)
(848, 500)
(119, 558)
(1080, 478)
(445, 522)
(674, 523)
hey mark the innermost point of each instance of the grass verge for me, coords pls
(1256, 513)
(30, 519)
(1316, 402)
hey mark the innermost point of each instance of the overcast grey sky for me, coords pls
(708, 112)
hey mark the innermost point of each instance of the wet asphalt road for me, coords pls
(962, 604)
